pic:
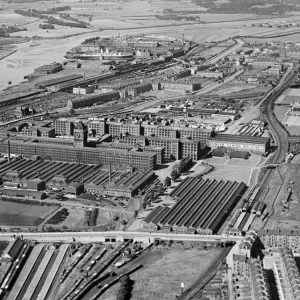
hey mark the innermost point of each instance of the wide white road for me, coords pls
(118, 235)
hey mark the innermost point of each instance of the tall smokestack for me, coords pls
(109, 171)
(183, 39)
(8, 150)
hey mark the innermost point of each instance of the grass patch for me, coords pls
(19, 220)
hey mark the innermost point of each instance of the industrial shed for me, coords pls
(202, 206)
(252, 144)
(25, 194)
(12, 250)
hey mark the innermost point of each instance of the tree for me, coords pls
(174, 174)
(144, 205)
(152, 196)
(72, 112)
(168, 181)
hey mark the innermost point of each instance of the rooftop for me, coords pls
(240, 138)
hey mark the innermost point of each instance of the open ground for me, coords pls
(162, 279)
(284, 177)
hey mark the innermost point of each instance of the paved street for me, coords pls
(118, 235)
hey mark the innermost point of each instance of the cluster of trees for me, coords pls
(124, 292)
(177, 18)
(11, 29)
(247, 7)
(46, 26)
(91, 40)
(70, 18)
(181, 167)
(93, 217)
(50, 19)
(90, 217)
(53, 10)
(59, 217)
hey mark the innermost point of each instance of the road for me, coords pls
(92, 237)
(220, 56)
(219, 83)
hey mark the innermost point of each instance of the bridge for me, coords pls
(116, 236)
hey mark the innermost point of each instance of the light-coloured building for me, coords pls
(251, 144)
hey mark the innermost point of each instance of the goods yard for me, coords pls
(202, 206)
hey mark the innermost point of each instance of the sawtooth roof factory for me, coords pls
(32, 176)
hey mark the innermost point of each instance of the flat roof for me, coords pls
(99, 150)
(240, 138)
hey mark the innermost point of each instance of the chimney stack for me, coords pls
(109, 171)
(8, 150)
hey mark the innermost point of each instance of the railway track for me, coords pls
(279, 134)
(204, 279)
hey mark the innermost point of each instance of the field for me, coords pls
(162, 279)
(18, 214)
(19, 220)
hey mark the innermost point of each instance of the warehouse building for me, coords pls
(48, 69)
(203, 74)
(89, 101)
(12, 250)
(122, 128)
(138, 89)
(23, 194)
(121, 182)
(63, 126)
(252, 144)
(175, 132)
(171, 146)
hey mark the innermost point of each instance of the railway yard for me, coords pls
(87, 271)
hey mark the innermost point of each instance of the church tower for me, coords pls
(80, 135)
